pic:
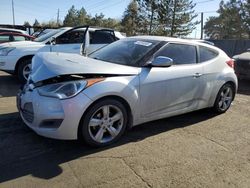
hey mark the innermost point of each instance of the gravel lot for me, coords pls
(198, 149)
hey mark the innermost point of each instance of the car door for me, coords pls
(175, 89)
(100, 38)
(70, 41)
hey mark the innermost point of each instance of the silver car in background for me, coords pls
(129, 82)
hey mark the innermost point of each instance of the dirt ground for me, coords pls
(199, 149)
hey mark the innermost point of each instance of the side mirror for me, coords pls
(53, 41)
(162, 61)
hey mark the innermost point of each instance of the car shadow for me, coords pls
(244, 87)
(9, 85)
(25, 153)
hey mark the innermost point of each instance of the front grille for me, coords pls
(51, 123)
(27, 112)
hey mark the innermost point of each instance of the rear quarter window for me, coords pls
(207, 54)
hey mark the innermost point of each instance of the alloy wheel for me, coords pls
(26, 71)
(106, 123)
(225, 98)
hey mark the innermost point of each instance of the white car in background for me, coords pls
(15, 57)
(13, 30)
(42, 32)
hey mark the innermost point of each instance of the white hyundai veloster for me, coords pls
(126, 83)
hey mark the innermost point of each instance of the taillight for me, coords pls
(230, 63)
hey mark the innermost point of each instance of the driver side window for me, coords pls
(180, 53)
(73, 37)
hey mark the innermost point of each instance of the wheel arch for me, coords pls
(20, 60)
(114, 97)
(233, 84)
(234, 87)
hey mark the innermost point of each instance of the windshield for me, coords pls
(48, 35)
(127, 51)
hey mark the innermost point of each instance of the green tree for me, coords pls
(26, 24)
(76, 17)
(36, 25)
(214, 28)
(164, 17)
(148, 15)
(71, 18)
(232, 22)
(245, 15)
(97, 20)
(130, 19)
(182, 15)
(167, 17)
(82, 17)
(111, 23)
(51, 24)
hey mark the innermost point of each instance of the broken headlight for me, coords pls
(63, 90)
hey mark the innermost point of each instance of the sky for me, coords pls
(46, 10)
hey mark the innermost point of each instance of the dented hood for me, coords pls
(49, 65)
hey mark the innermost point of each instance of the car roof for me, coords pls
(243, 56)
(203, 41)
(14, 33)
(93, 28)
(173, 39)
(13, 30)
(162, 38)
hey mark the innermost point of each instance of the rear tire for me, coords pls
(23, 70)
(224, 98)
(104, 123)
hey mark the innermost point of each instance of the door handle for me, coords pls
(197, 75)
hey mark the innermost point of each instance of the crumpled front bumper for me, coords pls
(52, 117)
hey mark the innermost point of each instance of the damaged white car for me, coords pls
(15, 57)
(129, 82)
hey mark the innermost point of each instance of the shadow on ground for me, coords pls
(9, 85)
(244, 87)
(22, 152)
(25, 153)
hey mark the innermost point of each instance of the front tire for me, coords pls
(104, 123)
(224, 98)
(24, 70)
